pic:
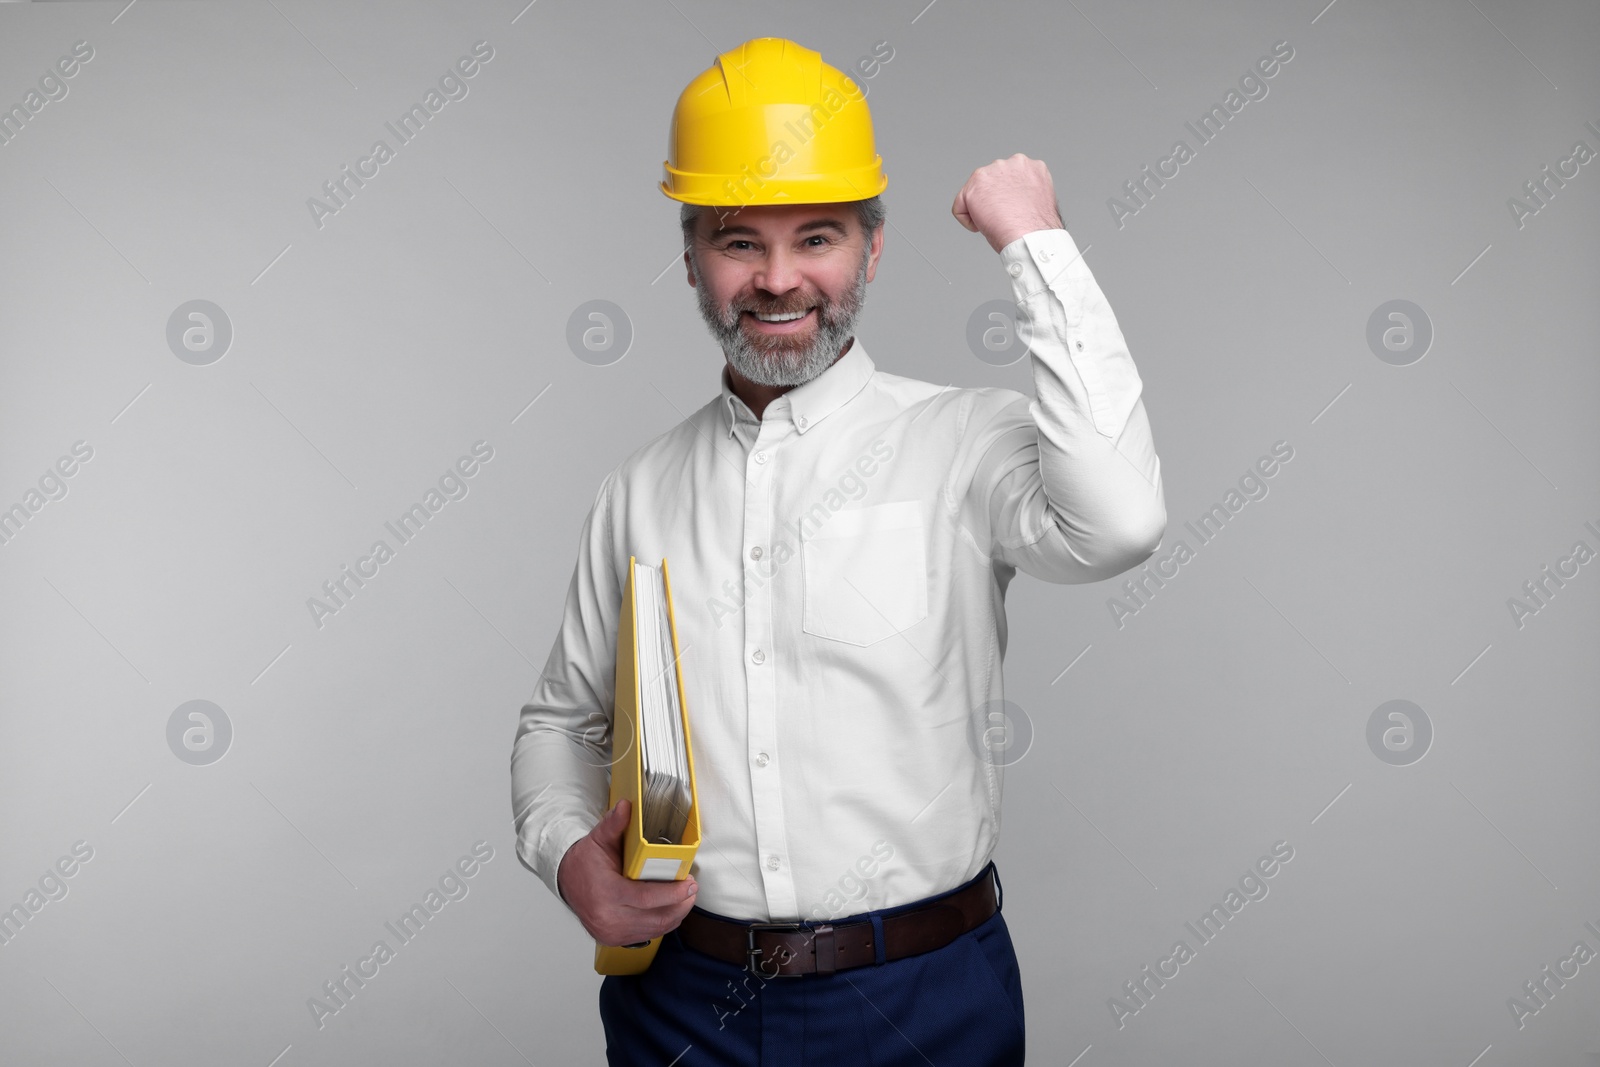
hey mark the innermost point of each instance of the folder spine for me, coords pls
(641, 859)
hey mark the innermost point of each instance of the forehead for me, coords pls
(777, 220)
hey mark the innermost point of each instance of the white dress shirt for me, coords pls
(839, 569)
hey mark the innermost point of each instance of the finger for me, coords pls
(675, 918)
(647, 896)
(606, 837)
(676, 902)
(658, 921)
(959, 210)
(609, 830)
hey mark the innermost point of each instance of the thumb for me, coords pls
(609, 830)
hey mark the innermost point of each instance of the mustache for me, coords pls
(777, 309)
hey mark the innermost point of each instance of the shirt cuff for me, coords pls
(1063, 314)
(552, 848)
(1048, 260)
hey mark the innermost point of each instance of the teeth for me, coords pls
(790, 317)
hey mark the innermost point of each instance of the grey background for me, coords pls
(1230, 713)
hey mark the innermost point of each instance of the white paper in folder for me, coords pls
(662, 745)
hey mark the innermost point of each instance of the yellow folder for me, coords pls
(641, 859)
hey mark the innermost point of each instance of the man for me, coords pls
(840, 541)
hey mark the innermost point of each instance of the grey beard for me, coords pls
(783, 364)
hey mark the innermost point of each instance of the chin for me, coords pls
(787, 358)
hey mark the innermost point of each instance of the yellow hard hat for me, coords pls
(770, 123)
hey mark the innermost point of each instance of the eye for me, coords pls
(737, 241)
(818, 237)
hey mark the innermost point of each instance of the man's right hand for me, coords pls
(617, 910)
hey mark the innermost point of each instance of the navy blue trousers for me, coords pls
(960, 1005)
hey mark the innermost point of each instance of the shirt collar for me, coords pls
(807, 405)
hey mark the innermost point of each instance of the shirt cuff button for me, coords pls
(1015, 270)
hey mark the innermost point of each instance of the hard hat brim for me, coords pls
(736, 191)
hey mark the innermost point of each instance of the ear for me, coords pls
(688, 263)
(877, 250)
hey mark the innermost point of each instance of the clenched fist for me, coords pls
(1007, 198)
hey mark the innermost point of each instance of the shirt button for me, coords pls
(761, 457)
(758, 657)
(772, 863)
(762, 759)
(1080, 346)
(1044, 256)
(1015, 270)
(802, 422)
(755, 553)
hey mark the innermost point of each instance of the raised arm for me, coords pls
(1066, 487)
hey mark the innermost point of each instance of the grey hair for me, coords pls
(870, 212)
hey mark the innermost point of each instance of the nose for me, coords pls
(779, 273)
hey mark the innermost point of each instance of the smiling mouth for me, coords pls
(779, 322)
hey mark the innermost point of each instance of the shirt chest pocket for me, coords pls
(865, 573)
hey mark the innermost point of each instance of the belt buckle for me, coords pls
(752, 953)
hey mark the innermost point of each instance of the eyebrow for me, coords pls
(814, 224)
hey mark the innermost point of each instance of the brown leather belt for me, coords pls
(785, 950)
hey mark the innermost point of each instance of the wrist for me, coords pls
(561, 892)
(1022, 229)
